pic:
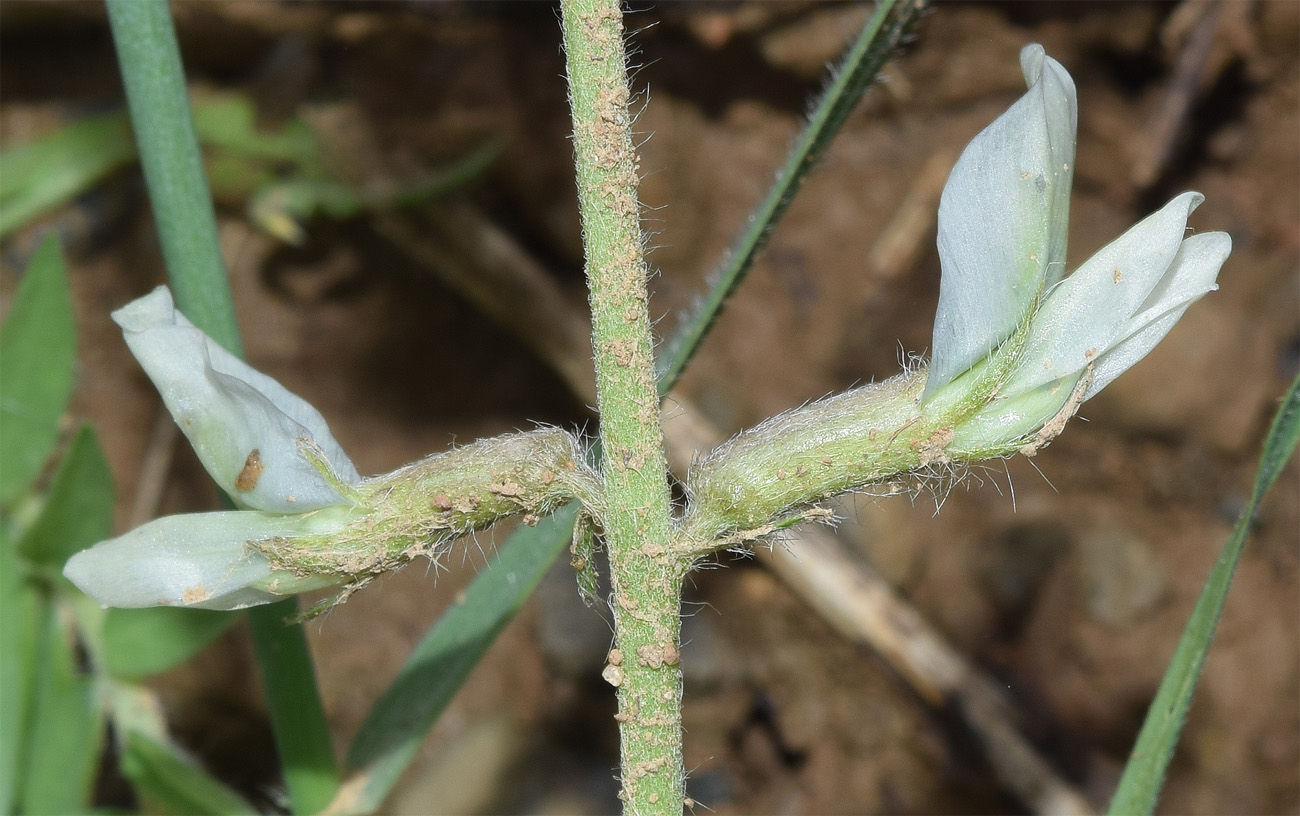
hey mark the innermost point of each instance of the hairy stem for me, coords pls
(645, 577)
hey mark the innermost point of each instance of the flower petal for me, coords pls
(263, 445)
(1006, 420)
(199, 559)
(1003, 220)
(1090, 310)
(1191, 275)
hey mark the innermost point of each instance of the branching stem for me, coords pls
(646, 576)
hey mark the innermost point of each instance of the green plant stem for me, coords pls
(645, 578)
(178, 190)
(173, 165)
(297, 717)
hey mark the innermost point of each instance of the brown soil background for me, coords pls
(1072, 594)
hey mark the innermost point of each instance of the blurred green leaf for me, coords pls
(20, 619)
(61, 166)
(79, 509)
(172, 782)
(278, 171)
(243, 160)
(438, 666)
(302, 736)
(229, 122)
(67, 730)
(140, 642)
(279, 207)
(38, 348)
(1139, 787)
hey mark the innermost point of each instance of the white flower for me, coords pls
(1010, 326)
(203, 560)
(311, 521)
(267, 448)
(1003, 220)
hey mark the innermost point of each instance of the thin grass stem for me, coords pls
(882, 34)
(178, 190)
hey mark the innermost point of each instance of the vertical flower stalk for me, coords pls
(645, 576)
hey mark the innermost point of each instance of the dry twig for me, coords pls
(1166, 124)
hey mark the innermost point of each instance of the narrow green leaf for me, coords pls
(141, 642)
(1280, 444)
(67, 730)
(435, 670)
(21, 616)
(173, 165)
(880, 37)
(297, 715)
(55, 169)
(172, 782)
(279, 207)
(38, 348)
(178, 190)
(230, 123)
(79, 508)
(1144, 774)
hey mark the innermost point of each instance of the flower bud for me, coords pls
(268, 448)
(1013, 338)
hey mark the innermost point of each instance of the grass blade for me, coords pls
(297, 716)
(79, 508)
(63, 736)
(171, 782)
(22, 611)
(436, 668)
(38, 346)
(178, 190)
(173, 165)
(61, 166)
(879, 37)
(63, 745)
(1144, 774)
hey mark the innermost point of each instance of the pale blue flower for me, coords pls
(268, 449)
(1004, 219)
(228, 410)
(1014, 336)
(203, 560)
